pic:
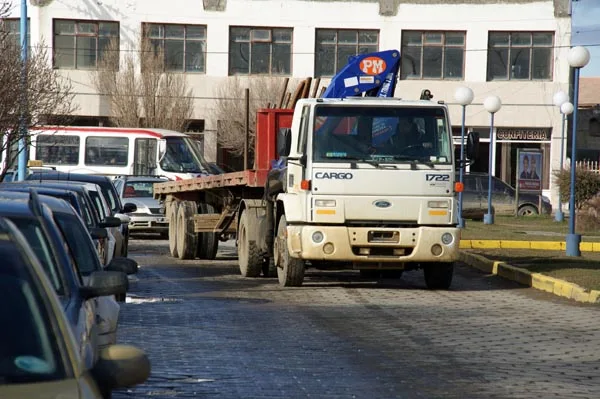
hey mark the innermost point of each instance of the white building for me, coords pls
(515, 49)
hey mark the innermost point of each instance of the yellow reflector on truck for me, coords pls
(437, 212)
(325, 211)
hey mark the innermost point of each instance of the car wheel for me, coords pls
(528, 210)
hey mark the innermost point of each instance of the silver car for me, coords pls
(149, 216)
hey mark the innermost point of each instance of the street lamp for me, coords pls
(492, 104)
(566, 108)
(22, 156)
(578, 57)
(463, 96)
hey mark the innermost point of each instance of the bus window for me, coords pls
(109, 151)
(57, 149)
(144, 158)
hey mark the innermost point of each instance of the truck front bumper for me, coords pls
(371, 244)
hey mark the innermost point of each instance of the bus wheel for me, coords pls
(290, 271)
(186, 238)
(208, 243)
(249, 257)
(173, 228)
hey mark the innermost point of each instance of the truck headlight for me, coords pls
(447, 238)
(438, 204)
(325, 203)
(317, 237)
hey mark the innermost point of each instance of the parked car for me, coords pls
(475, 198)
(118, 209)
(36, 221)
(39, 351)
(149, 216)
(79, 199)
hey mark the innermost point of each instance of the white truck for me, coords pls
(364, 183)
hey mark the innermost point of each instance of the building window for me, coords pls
(432, 55)
(81, 44)
(520, 55)
(57, 149)
(334, 47)
(594, 127)
(12, 27)
(184, 46)
(260, 51)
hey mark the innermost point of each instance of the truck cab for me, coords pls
(370, 181)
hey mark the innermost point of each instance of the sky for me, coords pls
(586, 32)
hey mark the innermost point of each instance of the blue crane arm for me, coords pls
(374, 74)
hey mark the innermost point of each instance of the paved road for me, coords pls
(210, 333)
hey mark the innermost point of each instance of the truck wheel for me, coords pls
(186, 238)
(438, 276)
(290, 271)
(249, 257)
(173, 228)
(208, 243)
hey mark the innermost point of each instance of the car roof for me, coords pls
(18, 199)
(75, 177)
(143, 178)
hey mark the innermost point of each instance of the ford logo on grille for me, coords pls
(382, 204)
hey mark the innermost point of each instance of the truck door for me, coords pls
(144, 158)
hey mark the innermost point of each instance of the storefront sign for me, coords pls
(521, 134)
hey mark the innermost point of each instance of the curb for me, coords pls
(535, 280)
(510, 244)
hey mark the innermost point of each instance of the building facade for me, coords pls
(514, 49)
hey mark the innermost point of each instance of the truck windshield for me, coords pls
(182, 155)
(381, 134)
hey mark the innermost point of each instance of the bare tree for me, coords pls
(140, 89)
(30, 93)
(229, 112)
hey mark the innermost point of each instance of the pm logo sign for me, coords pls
(372, 65)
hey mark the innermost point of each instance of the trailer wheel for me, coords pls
(438, 276)
(249, 257)
(208, 243)
(173, 229)
(290, 271)
(186, 238)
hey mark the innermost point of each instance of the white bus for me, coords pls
(118, 151)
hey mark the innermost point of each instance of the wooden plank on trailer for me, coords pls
(208, 222)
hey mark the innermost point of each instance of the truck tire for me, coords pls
(290, 271)
(208, 243)
(249, 257)
(186, 237)
(438, 276)
(173, 229)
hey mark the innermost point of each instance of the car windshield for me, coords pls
(79, 242)
(182, 155)
(38, 241)
(381, 134)
(29, 350)
(140, 189)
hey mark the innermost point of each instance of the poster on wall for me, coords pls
(529, 170)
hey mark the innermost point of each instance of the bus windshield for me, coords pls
(182, 155)
(381, 134)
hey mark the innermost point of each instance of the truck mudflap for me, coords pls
(371, 244)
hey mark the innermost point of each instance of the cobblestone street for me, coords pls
(211, 333)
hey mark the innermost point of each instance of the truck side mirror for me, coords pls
(473, 146)
(284, 142)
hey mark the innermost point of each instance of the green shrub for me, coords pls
(588, 217)
(587, 185)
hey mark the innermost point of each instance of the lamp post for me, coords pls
(492, 104)
(22, 159)
(463, 96)
(566, 108)
(578, 57)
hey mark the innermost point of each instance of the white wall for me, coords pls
(526, 103)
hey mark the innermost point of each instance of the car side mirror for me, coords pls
(129, 208)
(105, 283)
(120, 366)
(110, 221)
(284, 142)
(98, 233)
(473, 146)
(124, 265)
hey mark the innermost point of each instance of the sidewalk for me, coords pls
(485, 263)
